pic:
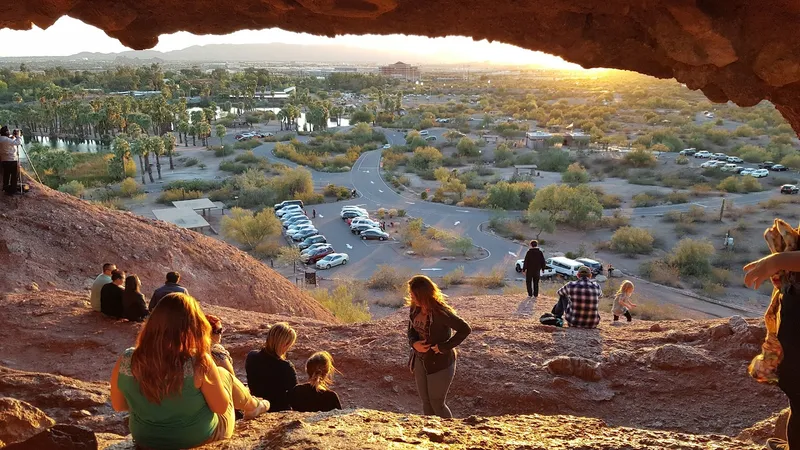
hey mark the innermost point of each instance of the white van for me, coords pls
(564, 266)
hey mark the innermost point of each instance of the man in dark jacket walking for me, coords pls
(532, 268)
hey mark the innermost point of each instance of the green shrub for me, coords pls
(640, 158)
(249, 229)
(242, 145)
(730, 184)
(461, 245)
(682, 160)
(553, 160)
(191, 162)
(172, 195)
(644, 199)
(346, 301)
(196, 184)
(575, 175)
(677, 197)
(632, 241)
(225, 150)
(233, 167)
(247, 157)
(73, 188)
(750, 184)
(128, 188)
(340, 192)
(692, 257)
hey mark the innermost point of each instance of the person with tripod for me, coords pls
(9, 159)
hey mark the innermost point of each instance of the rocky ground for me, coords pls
(518, 383)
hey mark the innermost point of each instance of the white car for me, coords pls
(297, 227)
(729, 167)
(334, 259)
(304, 232)
(702, 154)
(386, 146)
(360, 220)
(747, 172)
(287, 209)
(709, 164)
(760, 173)
(564, 266)
(547, 272)
(735, 159)
(423, 133)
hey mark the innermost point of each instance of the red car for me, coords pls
(318, 254)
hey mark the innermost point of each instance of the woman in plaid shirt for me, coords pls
(583, 297)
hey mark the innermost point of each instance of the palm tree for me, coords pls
(283, 115)
(269, 115)
(193, 132)
(122, 150)
(204, 130)
(169, 148)
(183, 128)
(138, 149)
(155, 145)
(220, 131)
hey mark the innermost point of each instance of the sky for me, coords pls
(69, 36)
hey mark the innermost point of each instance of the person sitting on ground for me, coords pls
(171, 286)
(269, 374)
(177, 397)
(622, 301)
(10, 159)
(111, 295)
(433, 359)
(220, 355)
(134, 307)
(315, 396)
(578, 301)
(756, 273)
(532, 267)
(101, 280)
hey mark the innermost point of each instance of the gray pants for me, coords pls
(433, 389)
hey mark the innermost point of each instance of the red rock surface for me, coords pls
(55, 240)
(739, 50)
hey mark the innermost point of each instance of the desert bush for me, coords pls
(340, 192)
(233, 167)
(712, 289)
(250, 229)
(225, 150)
(247, 157)
(700, 190)
(191, 162)
(172, 195)
(682, 160)
(575, 174)
(661, 272)
(493, 279)
(454, 278)
(392, 213)
(692, 257)
(645, 199)
(609, 201)
(685, 228)
(346, 301)
(74, 188)
(267, 249)
(460, 245)
(191, 185)
(632, 241)
(243, 145)
(697, 213)
(651, 310)
(423, 246)
(677, 197)
(128, 188)
(388, 277)
(640, 158)
(112, 203)
(721, 276)
(616, 220)
(750, 184)
(577, 206)
(510, 196)
(554, 160)
(730, 184)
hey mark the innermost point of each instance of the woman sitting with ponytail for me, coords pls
(176, 395)
(315, 396)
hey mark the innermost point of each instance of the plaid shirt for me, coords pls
(582, 308)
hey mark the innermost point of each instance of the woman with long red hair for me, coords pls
(176, 395)
(433, 358)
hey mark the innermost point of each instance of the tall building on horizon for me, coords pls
(400, 70)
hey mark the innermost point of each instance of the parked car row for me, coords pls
(361, 224)
(314, 246)
(729, 163)
(250, 135)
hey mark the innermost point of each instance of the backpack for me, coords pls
(550, 319)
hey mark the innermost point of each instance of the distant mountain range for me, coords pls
(264, 52)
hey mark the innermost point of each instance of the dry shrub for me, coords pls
(712, 289)
(389, 278)
(632, 241)
(697, 213)
(494, 279)
(395, 298)
(721, 276)
(652, 310)
(454, 278)
(616, 220)
(661, 272)
(347, 301)
(424, 246)
(701, 190)
(685, 228)
(515, 289)
(267, 249)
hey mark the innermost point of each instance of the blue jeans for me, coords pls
(433, 389)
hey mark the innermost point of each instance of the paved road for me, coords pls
(375, 193)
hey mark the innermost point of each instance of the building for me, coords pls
(537, 139)
(400, 70)
(576, 138)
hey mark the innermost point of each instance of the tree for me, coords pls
(452, 136)
(461, 245)
(640, 158)
(541, 222)
(138, 149)
(193, 131)
(204, 131)
(361, 115)
(290, 255)
(155, 146)
(169, 148)
(510, 196)
(220, 131)
(183, 128)
(577, 206)
(792, 161)
(575, 175)
(249, 229)
(425, 158)
(467, 147)
(122, 152)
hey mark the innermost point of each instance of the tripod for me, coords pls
(27, 158)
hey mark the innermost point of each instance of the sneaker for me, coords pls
(261, 408)
(777, 444)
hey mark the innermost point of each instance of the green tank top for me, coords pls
(178, 422)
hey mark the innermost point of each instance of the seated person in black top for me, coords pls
(315, 396)
(134, 307)
(269, 375)
(111, 295)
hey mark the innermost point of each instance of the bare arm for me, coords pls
(757, 272)
(212, 389)
(118, 401)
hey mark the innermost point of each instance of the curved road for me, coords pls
(375, 193)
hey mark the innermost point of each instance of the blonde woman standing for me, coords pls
(316, 396)
(430, 334)
(269, 374)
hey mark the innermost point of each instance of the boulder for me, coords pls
(59, 437)
(20, 420)
(738, 325)
(582, 368)
(678, 357)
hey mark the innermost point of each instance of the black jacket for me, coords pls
(534, 262)
(134, 307)
(167, 288)
(111, 300)
(441, 324)
(270, 378)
